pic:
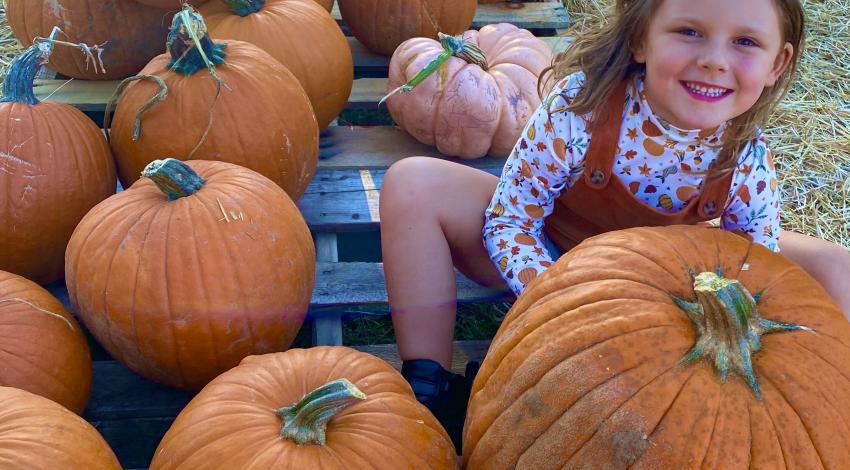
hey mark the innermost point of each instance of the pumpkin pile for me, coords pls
(662, 347)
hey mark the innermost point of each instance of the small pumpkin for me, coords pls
(381, 25)
(44, 350)
(282, 28)
(36, 433)
(468, 96)
(323, 407)
(256, 116)
(652, 348)
(133, 33)
(55, 165)
(196, 266)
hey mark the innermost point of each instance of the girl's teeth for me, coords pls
(712, 92)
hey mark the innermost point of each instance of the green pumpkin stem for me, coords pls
(190, 45)
(245, 7)
(306, 421)
(174, 178)
(728, 326)
(452, 46)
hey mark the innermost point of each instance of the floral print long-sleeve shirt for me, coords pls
(655, 160)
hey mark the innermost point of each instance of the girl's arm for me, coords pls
(754, 196)
(547, 158)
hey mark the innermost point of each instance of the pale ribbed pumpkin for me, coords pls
(36, 433)
(44, 350)
(55, 165)
(191, 269)
(381, 25)
(282, 28)
(651, 348)
(133, 32)
(262, 119)
(323, 407)
(475, 105)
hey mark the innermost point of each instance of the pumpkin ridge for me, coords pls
(776, 433)
(822, 359)
(808, 433)
(770, 427)
(614, 248)
(653, 431)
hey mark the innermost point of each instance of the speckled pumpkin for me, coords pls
(323, 407)
(470, 108)
(134, 33)
(669, 347)
(44, 350)
(194, 267)
(381, 25)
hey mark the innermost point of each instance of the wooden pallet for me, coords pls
(133, 413)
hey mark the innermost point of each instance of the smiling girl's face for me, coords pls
(708, 61)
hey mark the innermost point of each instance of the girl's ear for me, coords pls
(638, 53)
(783, 60)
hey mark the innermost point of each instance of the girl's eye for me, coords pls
(746, 42)
(688, 32)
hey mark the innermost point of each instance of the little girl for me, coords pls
(653, 119)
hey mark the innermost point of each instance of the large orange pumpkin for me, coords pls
(133, 33)
(181, 283)
(381, 25)
(44, 350)
(36, 433)
(326, 4)
(324, 67)
(644, 348)
(479, 100)
(55, 165)
(323, 407)
(262, 119)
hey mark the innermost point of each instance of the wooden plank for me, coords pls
(462, 352)
(327, 329)
(542, 15)
(92, 96)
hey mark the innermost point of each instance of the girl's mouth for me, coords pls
(705, 93)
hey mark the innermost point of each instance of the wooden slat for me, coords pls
(92, 96)
(543, 15)
(462, 352)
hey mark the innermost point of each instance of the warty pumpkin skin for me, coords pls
(38, 434)
(588, 369)
(134, 33)
(181, 290)
(381, 25)
(301, 36)
(262, 120)
(232, 422)
(463, 109)
(55, 165)
(44, 350)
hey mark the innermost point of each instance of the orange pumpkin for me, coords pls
(55, 165)
(191, 269)
(36, 433)
(326, 4)
(644, 348)
(381, 25)
(323, 407)
(133, 32)
(262, 119)
(324, 69)
(44, 350)
(479, 100)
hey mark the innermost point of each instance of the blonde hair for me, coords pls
(603, 51)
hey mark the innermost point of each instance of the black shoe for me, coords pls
(444, 393)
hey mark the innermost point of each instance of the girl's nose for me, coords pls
(713, 57)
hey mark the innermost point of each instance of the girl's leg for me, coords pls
(432, 213)
(825, 261)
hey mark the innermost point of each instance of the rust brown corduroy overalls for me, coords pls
(599, 203)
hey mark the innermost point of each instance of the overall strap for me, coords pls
(713, 198)
(604, 137)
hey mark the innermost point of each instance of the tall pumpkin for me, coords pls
(55, 165)
(261, 119)
(133, 33)
(323, 407)
(478, 101)
(44, 350)
(38, 434)
(381, 25)
(651, 348)
(191, 269)
(301, 36)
